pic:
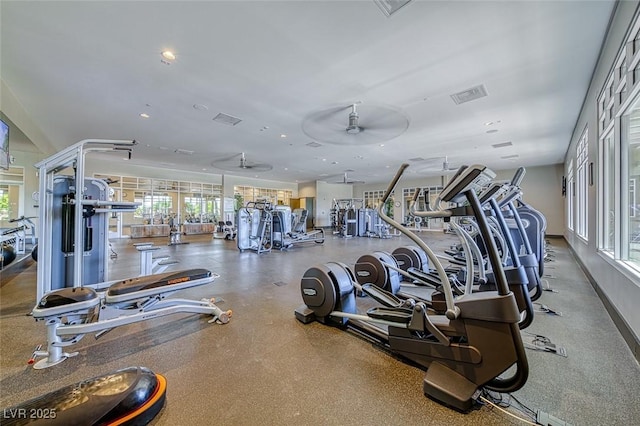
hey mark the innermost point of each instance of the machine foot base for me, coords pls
(449, 387)
(304, 314)
(45, 363)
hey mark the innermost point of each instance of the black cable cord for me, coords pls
(528, 410)
(505, 401)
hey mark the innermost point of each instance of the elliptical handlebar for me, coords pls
(452, 311)
(518, 176)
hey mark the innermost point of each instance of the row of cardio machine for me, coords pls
(349, 218)
(466, 330)
(263, 226)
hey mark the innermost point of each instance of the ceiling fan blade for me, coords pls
(259, 167)
(239, 162)
(227, 157)
(346, 125)
(347, 181)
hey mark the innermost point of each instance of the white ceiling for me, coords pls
(88, 69)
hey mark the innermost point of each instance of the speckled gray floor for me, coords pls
(264, 367)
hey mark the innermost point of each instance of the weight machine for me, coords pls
(284, 235)
(344, 216)
(255, 230)
(73, 297)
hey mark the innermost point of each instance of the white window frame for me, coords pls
(607, 191)
(619, 97)
(582, 186)
(570, 196)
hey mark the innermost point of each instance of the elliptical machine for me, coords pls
(460, 347)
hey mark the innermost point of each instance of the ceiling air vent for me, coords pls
(510, 157)
(229, 120)
(416, 159)
(389, 7)
(314, 144)
(502, 145)
(469, 95)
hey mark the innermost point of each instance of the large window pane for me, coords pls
(570, 194)
(608, 193)
(633, 158)
(5, 210)
(582, 190)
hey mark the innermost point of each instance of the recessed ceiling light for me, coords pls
(335, 162)
(145, 115)
(286, 168)
(492, 131)
(200, 107)
(204, 168)
(488, 123)
(168, 55)
(381, 144)
(283, 135)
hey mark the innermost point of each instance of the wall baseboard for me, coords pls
(627, 333)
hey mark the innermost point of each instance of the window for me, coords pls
(426, 201)
(246, 194)
(618, 108)
(193, 206)
(372, 199)
(631, 140)
(11, 196)
(582, 186)
(607, 193)
(5, 209)
(155, 208)
(163, 199)
(570, 193)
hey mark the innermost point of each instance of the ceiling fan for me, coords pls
(433, 165)
(346, 181)
(239, 162)
(355, 124)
